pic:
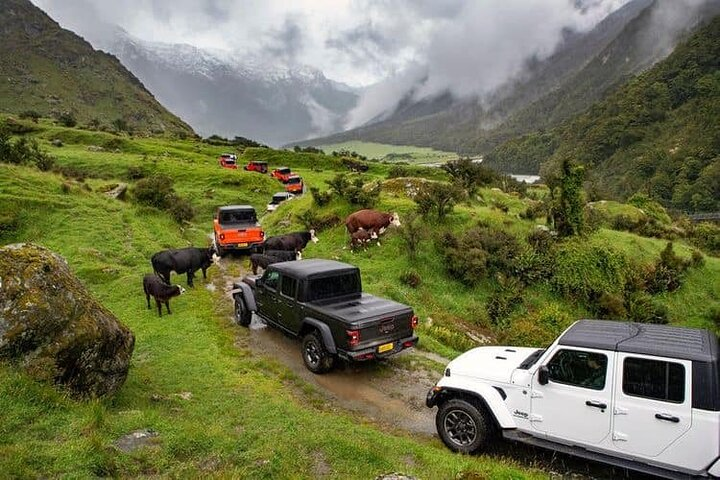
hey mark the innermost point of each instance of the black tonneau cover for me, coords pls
(361, 308)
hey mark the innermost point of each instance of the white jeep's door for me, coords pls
(653, 403)
(575, 404)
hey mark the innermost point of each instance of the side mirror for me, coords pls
(543, 375)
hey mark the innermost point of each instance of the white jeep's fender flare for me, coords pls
(488, 394)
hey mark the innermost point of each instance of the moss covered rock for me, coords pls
(52, 327)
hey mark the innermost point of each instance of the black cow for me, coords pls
(270, 257)
(156, 287)
(184, 260)
(291, 242)
(284, 255)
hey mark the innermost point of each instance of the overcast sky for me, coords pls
(359, 42)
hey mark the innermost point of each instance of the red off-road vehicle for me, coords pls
(283, 174)
(228, 160)
(255, 166)
(294, 184)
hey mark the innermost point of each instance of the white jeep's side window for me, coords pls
(654, 379)
(578, 368)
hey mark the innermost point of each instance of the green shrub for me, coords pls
(538, 328)
(397, 171)
(706, 235)
(320, 198)
(412, 233)
(585, 271)
(452, 338)
(11, 220)
(536, 209)
(179, 208)
(438, 197)
(611, 306)
(714, 315)
(666, 274)
(642, 308)
(470, 175)
(30, 115)
(311, 220)
(504, 300)
(410, 278)
(67, 119)
(154, 191)
(135, 172)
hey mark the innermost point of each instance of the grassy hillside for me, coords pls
(52, 71)
(658, 134)
(247, 415)
(391, 153)
(218, 410)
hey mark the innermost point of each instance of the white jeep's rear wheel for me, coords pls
(463, 426)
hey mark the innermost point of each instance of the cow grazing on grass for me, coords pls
(292, 242)
(361, 238)
(371, 220)
(184, 260)
(155, 287)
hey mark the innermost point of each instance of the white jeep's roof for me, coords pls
(647, 339)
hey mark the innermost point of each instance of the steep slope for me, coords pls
(583, 70)
(659, 134)
(52, 71)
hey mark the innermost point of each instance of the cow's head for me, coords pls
(212, 254)
(298, 255)
(395, 219)
(180, 289)
(373, 235)
(312, 236)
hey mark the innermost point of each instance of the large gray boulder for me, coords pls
(52, 327)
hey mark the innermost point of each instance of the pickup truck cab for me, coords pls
(638, 396)
(282, 173)
(228, 160)
(321, 302)
(294, 184)
(236, 228)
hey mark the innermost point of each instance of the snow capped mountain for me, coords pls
(219, 92)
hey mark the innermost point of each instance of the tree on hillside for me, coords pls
(566, 211)
(439, 197)
(470, 175)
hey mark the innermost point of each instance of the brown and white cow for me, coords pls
(371, 220)
(361, 238)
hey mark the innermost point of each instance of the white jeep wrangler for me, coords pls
(642, 397)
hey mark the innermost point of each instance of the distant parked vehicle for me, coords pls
(294, 184)
(322, 303)
(255, 166)
(236, 228)
(282, 174)
(277, 199)
(228, 160)
(641, 397)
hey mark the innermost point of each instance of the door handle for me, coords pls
(601, 406)
(667, 418)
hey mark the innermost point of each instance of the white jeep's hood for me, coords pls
(490, 363)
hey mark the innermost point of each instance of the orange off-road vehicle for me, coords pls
(236, 228)
(282, 174)
(228, 160)
(294, 184)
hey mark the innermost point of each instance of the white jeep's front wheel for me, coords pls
(463, 426)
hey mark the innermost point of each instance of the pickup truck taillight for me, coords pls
(262, 234)
(413, 322)
(222, 236)
(353, 337)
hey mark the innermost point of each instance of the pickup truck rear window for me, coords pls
(238, 216)
(335, 286)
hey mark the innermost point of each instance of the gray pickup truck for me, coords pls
(322, 303)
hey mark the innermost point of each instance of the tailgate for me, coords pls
(385, 330)
(242, 236)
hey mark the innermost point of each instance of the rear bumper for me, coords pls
(252, 246)
(372, 353)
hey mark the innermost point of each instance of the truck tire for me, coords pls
(220, 251)
(243, 316)
(463, 426)
(316, 357)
